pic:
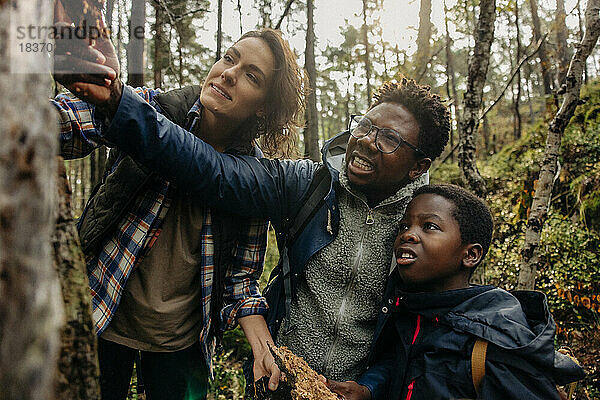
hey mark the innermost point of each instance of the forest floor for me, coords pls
(585, 346)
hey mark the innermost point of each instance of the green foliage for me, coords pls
(182, 58)
(271, 258)
(229, 381)
(569, 247)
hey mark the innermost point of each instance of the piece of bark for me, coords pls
(302, 382)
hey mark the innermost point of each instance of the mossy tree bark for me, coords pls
(78, 372)
(543, 188)
(469, 122)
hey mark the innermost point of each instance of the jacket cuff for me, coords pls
(243, 308)
(131, 106)
(376, 379)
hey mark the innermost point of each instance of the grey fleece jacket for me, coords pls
(339, 296)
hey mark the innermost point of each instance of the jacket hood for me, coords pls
(518, 321)
(334, 150)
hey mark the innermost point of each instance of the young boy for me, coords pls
(432, 317)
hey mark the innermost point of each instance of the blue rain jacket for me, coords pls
(424, 342)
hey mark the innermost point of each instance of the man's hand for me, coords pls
(348, 390)
(88, 67)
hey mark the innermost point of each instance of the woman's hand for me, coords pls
(348, 390)
(264, 365)
(257, 333)
(87, 66)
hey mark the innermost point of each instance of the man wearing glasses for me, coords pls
(325, 294)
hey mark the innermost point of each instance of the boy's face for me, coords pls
(429, 253)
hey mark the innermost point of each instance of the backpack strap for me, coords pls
(313, 199)
(478, 357)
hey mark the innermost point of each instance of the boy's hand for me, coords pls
(348, 390)
(88, 67)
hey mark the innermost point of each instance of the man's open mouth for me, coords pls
(362, 164)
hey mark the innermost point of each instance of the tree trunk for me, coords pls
(311, 132)
(450, 78)
(543, 54)
(78, 373)
(384, 49)
(158, 63)
(580, 22)
(265, 10)
(478, 66)
(488, 144)
(423, 39)
(239, 9)
(97, 163)
(367, 56)
(517, 96)
(543, 188)
(562, 50)
(286, 11)
(135, 48)
(119, 33)
(528, 72)
(30, 303)
(219, 29)
(110, 5)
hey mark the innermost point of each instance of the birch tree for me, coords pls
(30, 302)
(469, 122)
(543, 188)
(450, 78)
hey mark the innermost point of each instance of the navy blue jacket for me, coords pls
(271, 189)
(424, 342)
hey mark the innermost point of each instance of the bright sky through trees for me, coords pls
(399, 18)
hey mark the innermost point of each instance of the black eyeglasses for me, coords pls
(387, 140)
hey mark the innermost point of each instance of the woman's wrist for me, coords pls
(110, 106)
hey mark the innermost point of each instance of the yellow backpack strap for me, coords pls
(478, 363)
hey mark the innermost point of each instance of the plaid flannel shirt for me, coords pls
(109, 270)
